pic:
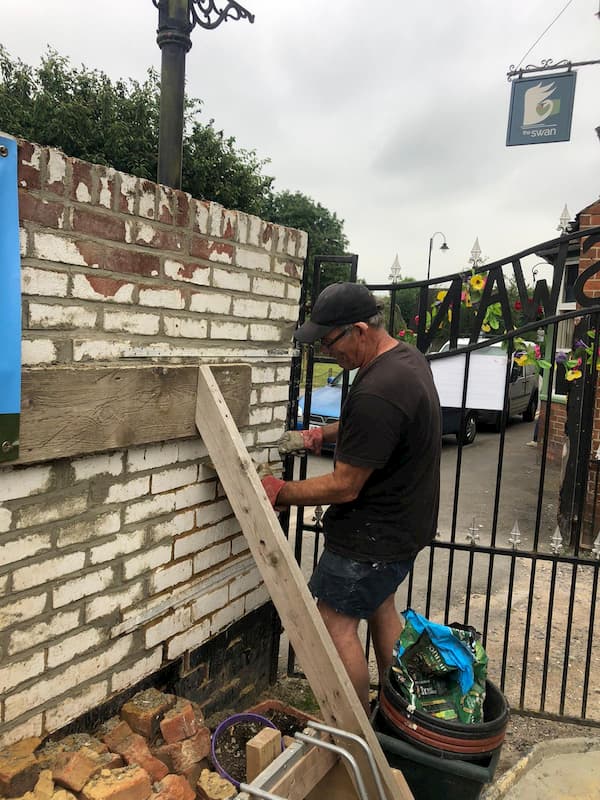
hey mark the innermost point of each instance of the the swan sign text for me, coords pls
(541, 109)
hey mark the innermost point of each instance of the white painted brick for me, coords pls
(249, 259)
(36, 634)
(99, 349)
(253, 309)
(131, 490)
(212, 513)
(269, 333)
(151, 457)
(105, 196)
(22, 242)
(123, 544)
(83, 288)
(88, 529)
(287, 312)
(29, 576)
(284, 374)
(253, 397)
(234, 281)
(243, 223)
(239, 545)
(248, 438)
(256, 598)
(3, 587)
(113, 601)
(74, 590)
(149, 560)
(197, 274)
(302, 244)
(57, 166)
(212, 601)
(92, 466)
(50, 247)
(265, 286)
(223, 618)
(245, 583)
(147, 200)
(189, 640)
(173, 478)
(254, 229)
(202, 216)
(141, 668)
(269, 435)
(162, 298)
(261, 415)
(21, 610)
(37, 351)
(82, 193)
(32, 727)
(186, 545)
(44, 282)
(193, 449)
(293, 292)
(24, 547)
(42, 315)
(177, 621)
(274, 394)
(144, 324)
(186, 327)
(79, 643)
(211, 556)
(153, 507)
(279, 413)
(229, 222)
(214, 303)
(23, 482)
(228, 330)
(73, 706)
(168, 577)
(129, 186)
(206, 473)
(180, 523)
(263, 374)
(199, 540)
(195, 494)
(14, 674)
(216, 218)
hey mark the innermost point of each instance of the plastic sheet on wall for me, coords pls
(10, 302)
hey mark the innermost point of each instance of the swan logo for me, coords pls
(541, 109)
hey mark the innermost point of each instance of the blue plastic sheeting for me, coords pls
(10, 281)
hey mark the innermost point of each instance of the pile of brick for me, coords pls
(156, 749)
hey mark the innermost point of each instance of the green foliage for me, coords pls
(90, 117)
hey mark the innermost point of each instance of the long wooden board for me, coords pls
(67, 411)
(335, 694)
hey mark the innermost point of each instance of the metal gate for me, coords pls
(517, 550)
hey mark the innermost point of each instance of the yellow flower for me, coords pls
(573, 374)
(477, 282)
(485, 327)
(441, 294)
(521, 360)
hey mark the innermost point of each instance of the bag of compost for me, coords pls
(440, 669)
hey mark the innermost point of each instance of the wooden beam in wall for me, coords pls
(283, 578)
(70, 411)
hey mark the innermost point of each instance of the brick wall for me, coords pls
(117, 564)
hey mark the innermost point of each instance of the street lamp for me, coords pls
(476, 260)
(444, 246)
(564, 222)
(534, 269)
(176, 20)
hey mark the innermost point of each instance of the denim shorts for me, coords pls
(356, 588)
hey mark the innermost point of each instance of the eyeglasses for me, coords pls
(328, 343)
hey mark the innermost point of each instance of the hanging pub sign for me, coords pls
(10, 302)
(541, 109)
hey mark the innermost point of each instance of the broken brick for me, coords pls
(173, 787)
(126, 783)
(145, 709)
(19, 768)
(44, 787)
(135, 750)
(211, 786)
(178, 723)
(114, 731)
(189, 751)
(73, 770)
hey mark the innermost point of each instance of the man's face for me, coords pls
(339, 344)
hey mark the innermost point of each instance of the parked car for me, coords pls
(326, 402)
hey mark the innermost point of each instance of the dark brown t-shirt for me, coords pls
(390, 421)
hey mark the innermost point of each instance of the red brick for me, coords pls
(114, 731)
(199, 204)
(107, 287)
(145, 709)
(127, 783)
(74, 770)
(182, 206)
(34, 209)
(102, 226)
(28, 175)
(162, 240)
(173, 787)
(267, 234)
(190, 751)
(166, 209)
(131, 261)
(93, 253)
(135, 750)
(178, 723)
(106, 178)
(204, 248)
(83, 172)
(19, 768)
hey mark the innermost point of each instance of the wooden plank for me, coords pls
(331, 686)
(68, 411)
(261, 750)
(297, 782)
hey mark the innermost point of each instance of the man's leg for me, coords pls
(385, 626)
(344, 633)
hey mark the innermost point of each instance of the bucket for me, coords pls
(447, 739)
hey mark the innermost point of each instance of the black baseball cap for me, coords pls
(338, 304)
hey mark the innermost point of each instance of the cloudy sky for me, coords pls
(392, 114)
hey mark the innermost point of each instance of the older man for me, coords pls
(383, 492)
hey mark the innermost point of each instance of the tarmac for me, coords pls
(563, 769)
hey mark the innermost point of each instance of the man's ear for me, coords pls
(362, 326)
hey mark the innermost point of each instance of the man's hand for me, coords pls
(295, 441)
(272, 487)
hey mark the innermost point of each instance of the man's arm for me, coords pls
(340, 486)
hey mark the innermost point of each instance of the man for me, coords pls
(384, 488)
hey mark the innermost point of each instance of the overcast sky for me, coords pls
(391, 114)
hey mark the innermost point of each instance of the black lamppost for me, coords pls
(176, 20)
(443, 246)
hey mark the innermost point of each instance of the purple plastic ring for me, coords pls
(228, 723)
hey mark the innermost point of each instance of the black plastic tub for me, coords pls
(434, 777)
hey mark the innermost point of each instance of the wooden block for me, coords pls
(261, 750)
